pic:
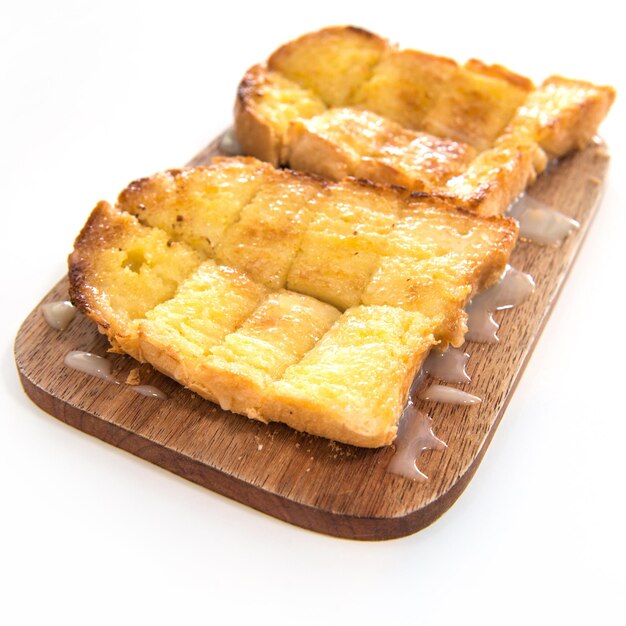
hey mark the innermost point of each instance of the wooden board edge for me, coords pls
(302, 515)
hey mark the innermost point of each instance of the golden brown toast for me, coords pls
(283, 296)
(345, 102)
(350, 142)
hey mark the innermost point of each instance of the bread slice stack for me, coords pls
(283, 296)
(345, 102)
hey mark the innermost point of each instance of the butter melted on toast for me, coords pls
(282, 296)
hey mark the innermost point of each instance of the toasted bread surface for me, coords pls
(562, 114)
(246, 284)
(331, 63)
(345, 142)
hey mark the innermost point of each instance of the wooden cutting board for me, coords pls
(308, 481)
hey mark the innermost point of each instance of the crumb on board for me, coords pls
(134, 377)
(257, 441)
(339, 450)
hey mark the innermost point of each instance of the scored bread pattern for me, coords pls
(345, 102)
(282, 296)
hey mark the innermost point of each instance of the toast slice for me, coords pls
(358, 106)
(282, 296)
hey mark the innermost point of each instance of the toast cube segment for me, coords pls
(332, 144)
(196, 205)
(563, 114)
(348, 142)
(332, 62)
(496, 177)
(427, 230)
(332, 268)
(178, 334)
(418, 161)
(278, 334)
(436, 259)
(405, 86)
(437, 288)
(264, 241)
(352, 386)
(424, 231)
(358, 206)
(120, 270)
(341, 247)
(266, 104)
(474, 108)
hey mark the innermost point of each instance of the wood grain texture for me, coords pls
(308, 481)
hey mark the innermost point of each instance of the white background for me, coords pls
(93, 95)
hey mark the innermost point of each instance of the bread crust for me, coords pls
(101, 230)
(501, 72)
(255, 134)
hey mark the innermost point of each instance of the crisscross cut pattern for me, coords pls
(282, 296)
(345, 102)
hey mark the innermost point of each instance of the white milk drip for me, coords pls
(99, 367)
(91, 364)
(448, 395)
(448, 366)
(541, 224)
(59, 314)
(513, 288)
(415, 435)
(229, 143)
(149, 391)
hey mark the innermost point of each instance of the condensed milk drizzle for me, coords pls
(149, 391)
(415, 435)
(448, 366)
(59, 314)
(448, 395)
(415, 428)
(513, 289)
(229, 144)
(91, 364)
(541, 224)
(99, 367)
